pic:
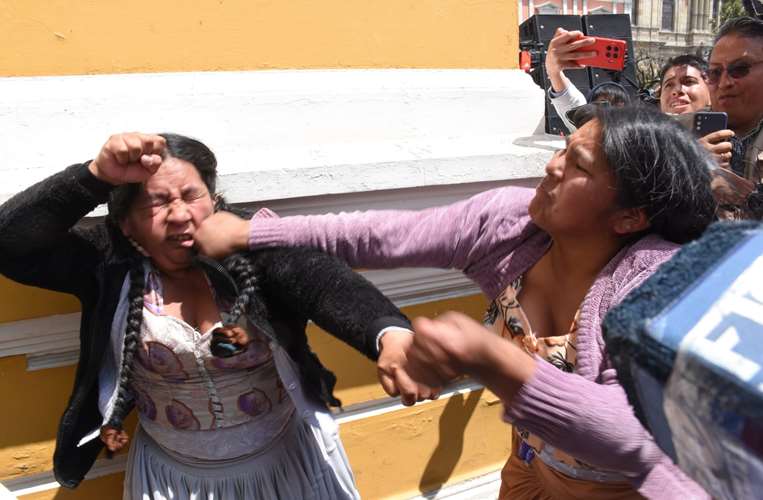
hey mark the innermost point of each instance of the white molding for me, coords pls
(43, 481)
(286, 134)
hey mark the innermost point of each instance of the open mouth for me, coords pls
(184, 239)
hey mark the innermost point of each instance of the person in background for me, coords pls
(564, 50)
(630, 187)
(735, 78)
(683, 87)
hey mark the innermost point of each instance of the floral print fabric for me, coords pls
(506, 317)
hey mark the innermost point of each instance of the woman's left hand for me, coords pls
(392, 369)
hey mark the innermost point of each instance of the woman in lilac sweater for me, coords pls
(629, 188)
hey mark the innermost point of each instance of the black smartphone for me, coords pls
(706, 122)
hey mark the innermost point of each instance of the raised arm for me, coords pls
(563, 52)
(452, 236)
(39, 244)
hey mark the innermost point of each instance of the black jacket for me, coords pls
(40, 246)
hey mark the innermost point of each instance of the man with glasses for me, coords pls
(735, 79)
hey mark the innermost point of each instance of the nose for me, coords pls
(555, 167)
(178, 212)
(725, 80)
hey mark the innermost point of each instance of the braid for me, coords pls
(243, 272)
(123, 404)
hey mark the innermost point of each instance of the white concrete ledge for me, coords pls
(285, 134)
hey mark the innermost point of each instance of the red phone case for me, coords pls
(610, 54)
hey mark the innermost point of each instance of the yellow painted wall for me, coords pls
(19, 302)
(62, 37)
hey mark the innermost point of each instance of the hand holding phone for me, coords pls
(610, 54)
(706, 122)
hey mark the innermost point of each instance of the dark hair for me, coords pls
(745, 27)
(684, 60)
(658, 166)
(611, 92)
(120, 201)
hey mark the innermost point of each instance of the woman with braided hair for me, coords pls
(232, 402)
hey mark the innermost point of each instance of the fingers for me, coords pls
(130, 147)
(114, 439)
(388, 383)
(234, 333)
(718, 136)
(408, 389)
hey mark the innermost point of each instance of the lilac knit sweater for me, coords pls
(491, 239)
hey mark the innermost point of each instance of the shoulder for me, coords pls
(504, 205)
(639, 261)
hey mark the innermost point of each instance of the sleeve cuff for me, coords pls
(385, 330)
(554, 95)
(380, 326)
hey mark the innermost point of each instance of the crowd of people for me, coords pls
(195, 313)
(688, 84)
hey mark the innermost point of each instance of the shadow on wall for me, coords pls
(450, 445)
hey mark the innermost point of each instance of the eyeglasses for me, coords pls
(735, 70)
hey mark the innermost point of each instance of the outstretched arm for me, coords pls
(452, 236)
(322, 288)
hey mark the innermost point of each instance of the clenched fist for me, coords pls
(128, 158)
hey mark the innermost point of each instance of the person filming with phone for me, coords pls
(683, 90)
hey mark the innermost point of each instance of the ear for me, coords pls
(125, 227)
(629, 221)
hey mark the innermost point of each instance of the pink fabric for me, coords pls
(491, 239)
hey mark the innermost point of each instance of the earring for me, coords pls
(137, 247)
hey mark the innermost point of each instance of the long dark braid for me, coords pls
(242, 271)
(124, 401)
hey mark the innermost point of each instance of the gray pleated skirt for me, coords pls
(296, 466)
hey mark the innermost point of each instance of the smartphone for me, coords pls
(706, 122)
(610, 54)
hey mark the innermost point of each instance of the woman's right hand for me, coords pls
(719, 145)
(563, 53)
(128, 158)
